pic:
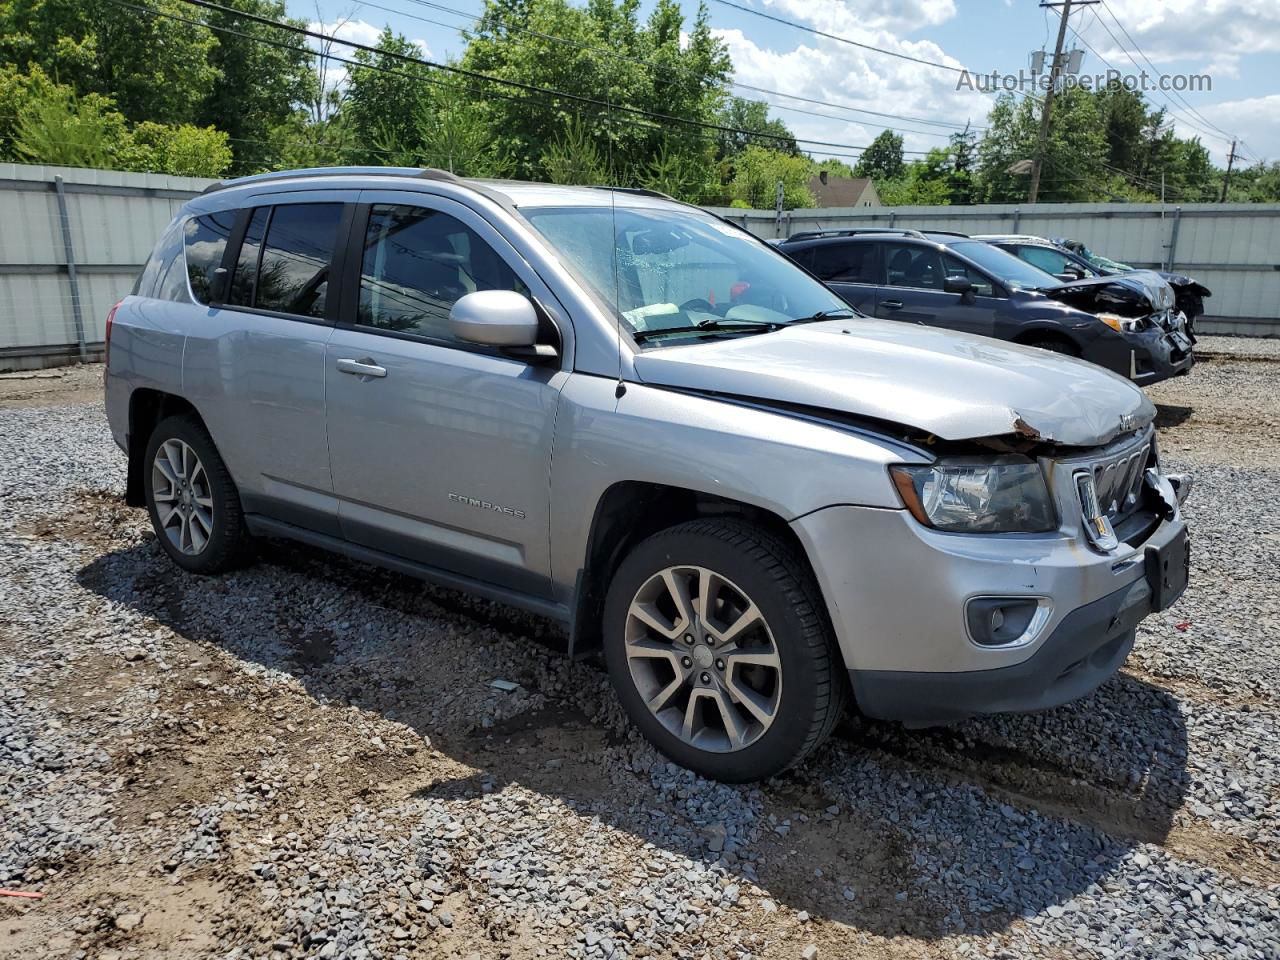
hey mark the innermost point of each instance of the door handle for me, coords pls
(361, 368)
(891, 304)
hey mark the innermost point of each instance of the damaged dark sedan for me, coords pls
(1128, 324)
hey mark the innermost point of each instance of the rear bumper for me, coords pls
(1088, 646)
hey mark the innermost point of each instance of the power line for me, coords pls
(840, 39)
(1121, 47)
(1176, 93)
(834, 105)
(517, 84)
(642, 119)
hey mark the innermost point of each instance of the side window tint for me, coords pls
(173, 283)
(909, 265)
(845, 262)
(1050, 261)
(294, 273)
(206, 241)
(245, 278)
(162, 258)
(982, 286)
(417, 263)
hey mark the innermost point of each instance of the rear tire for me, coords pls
(741, 691)
(193, 503)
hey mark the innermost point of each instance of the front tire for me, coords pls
(720, 651)
(194, 505)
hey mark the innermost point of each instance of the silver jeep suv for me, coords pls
(630, 416)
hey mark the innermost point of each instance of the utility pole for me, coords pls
(1226, 181)
(1055, 71)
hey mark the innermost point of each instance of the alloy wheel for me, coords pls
(703, 658)
(182, 495)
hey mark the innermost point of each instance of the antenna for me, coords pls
(620, 390)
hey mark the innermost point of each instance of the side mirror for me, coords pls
(960, 285)
(499, 318)
(1070, 276)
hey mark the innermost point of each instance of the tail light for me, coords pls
(106, 347)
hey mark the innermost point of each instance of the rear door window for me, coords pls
(845, 262)
(293, 271)
(205, 239)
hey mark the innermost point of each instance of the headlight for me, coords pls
(978, 496)
(1122, 324)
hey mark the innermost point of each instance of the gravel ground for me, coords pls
(306, 758)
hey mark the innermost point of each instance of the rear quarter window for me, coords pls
(205, 239)
(167, 250)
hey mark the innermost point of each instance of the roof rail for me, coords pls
(950, 233)
(854, 231)
(638, 191)
(421, 173)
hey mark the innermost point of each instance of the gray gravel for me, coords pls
(307, 758)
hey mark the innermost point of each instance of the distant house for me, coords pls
(843, 192)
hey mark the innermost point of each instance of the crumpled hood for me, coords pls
(1139, 293)
(953, 385)
(1180, 281)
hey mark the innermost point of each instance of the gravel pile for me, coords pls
(307, 758)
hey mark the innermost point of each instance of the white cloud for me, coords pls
(357, 31)
(1254, 116)
(1181, 30)
(838, 73)
(867, 17)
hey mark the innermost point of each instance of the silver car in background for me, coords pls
(630, 416)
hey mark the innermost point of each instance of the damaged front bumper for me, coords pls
(914, 617)
(1163, 349)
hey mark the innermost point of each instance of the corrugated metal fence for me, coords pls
(1232, 248)
(72, 241)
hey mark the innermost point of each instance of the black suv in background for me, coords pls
(1072, 260)
(950, 280)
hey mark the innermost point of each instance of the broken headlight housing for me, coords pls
(1004, 495)
(1122, 324)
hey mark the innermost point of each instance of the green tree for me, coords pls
(456, 137)
(604, 53)
(56, 127)
(385, 97)
(1074, 157)
(922, 183)
(883, 159)
(685, 169)
(258, 86)
(757, 173)
(184, 150)
(575, 157)
(753, 117)
(154, 67)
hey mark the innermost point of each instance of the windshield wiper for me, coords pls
(842, 313)
(746, 326)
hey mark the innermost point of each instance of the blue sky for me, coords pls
(1235, 42)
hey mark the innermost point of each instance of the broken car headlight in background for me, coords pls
(1122, 324)
(1003, 496)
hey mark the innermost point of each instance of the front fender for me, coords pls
(770, 460)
